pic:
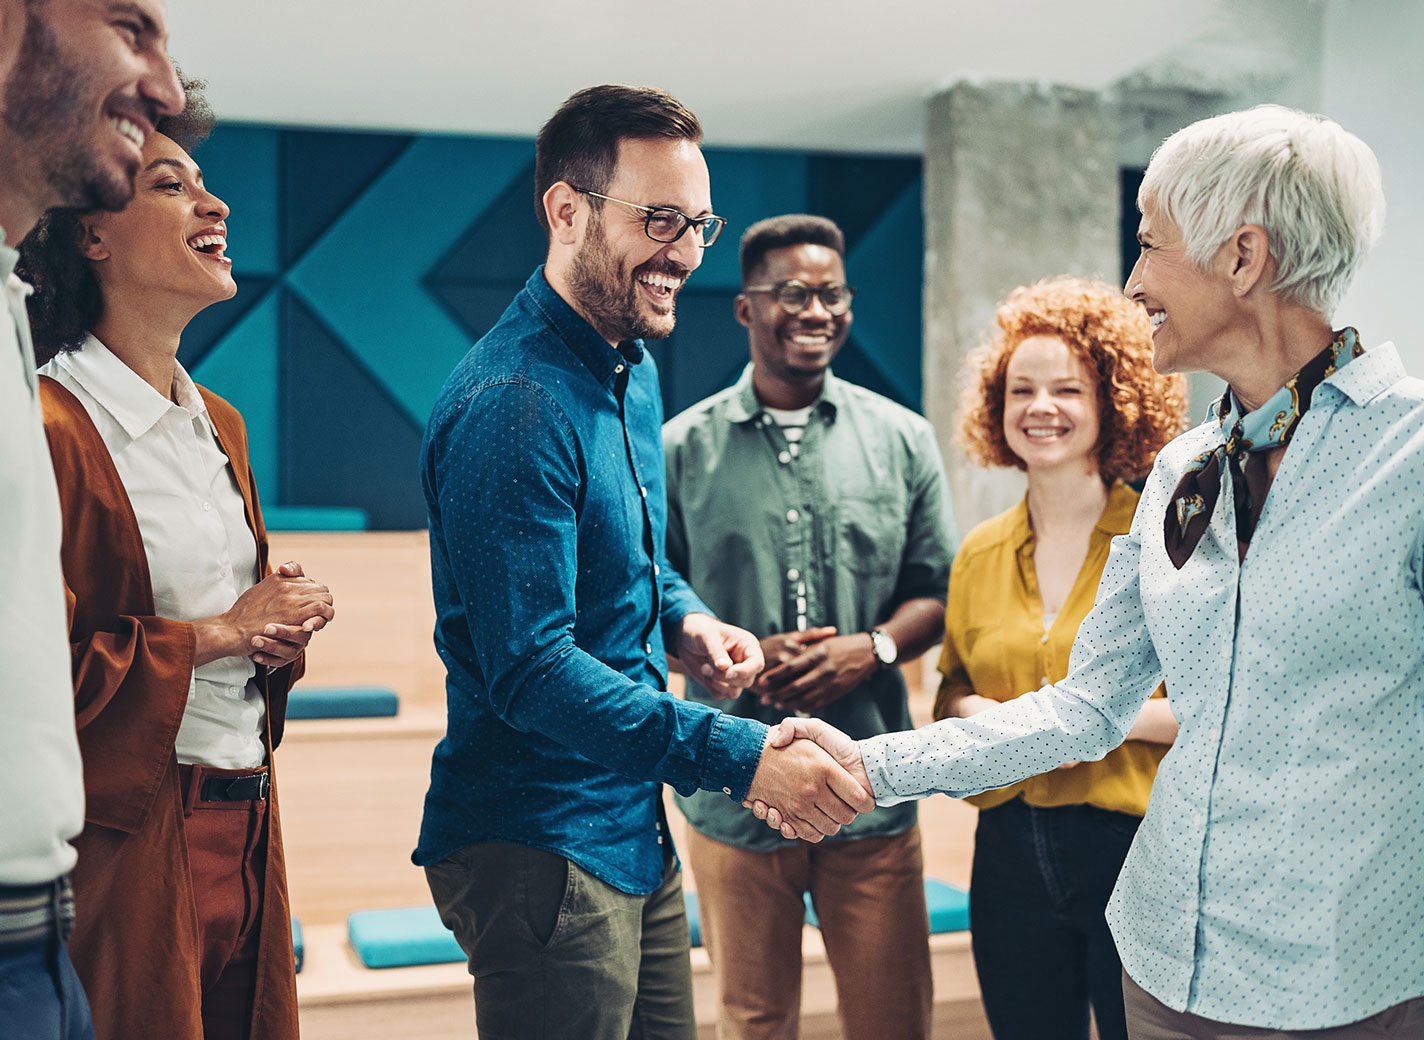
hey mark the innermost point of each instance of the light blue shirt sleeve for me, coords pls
(1112, 671)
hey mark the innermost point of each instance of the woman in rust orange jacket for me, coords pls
(184, 642)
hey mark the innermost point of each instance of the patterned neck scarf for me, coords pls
(1249, 436)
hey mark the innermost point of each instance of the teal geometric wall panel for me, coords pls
(241, 166)
(367, 263)
(365, 274)
(879, 259)
(245, 365)
(356, 446)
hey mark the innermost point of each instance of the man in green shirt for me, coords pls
(815, 514)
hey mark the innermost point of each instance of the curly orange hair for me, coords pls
(1138, 410)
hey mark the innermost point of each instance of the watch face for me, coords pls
(885, 648)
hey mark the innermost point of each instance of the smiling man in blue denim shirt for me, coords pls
(544, 838)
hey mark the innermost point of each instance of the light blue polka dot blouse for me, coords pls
(1278, 878)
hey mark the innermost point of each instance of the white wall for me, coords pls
(1373, 84)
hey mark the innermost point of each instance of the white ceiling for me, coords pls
(818, 74)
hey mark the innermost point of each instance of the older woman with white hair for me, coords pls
(1272, 577)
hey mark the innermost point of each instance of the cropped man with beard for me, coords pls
(544, 838)
(81, 86)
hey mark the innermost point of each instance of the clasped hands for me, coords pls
(271, 622)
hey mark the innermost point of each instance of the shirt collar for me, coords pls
(123, 393)
(598, 356)
(744, 406)
(1370, 374)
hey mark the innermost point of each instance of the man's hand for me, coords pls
(844, 750)
(722, 657)
(826, 669)
(813, 795)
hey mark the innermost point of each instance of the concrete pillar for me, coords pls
(1021, 182)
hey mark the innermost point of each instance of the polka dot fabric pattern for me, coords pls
(1278, 877)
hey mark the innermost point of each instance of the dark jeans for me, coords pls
(40, 996)
(556, 953)
(1042, 949)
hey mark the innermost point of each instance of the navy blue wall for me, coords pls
(367, 263)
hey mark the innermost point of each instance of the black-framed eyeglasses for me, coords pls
(666, 224)
(794, 295)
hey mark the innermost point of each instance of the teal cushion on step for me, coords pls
(694, 926)
(403, 937)
(341, 702)
(947, 905)
(314, 518)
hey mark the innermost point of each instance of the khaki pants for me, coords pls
(869, 896)
(1149, 1019)
(558, 955)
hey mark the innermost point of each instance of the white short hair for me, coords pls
(1312, 185)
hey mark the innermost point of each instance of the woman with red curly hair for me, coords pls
(1067, 393)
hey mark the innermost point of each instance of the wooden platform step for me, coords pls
(339, 999)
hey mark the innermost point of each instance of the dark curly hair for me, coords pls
(1139, 411)
(67, 302)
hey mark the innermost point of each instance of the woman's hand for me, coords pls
(272, 622)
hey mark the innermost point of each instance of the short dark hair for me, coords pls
(793, 229)
(67, 302)
(579, 143)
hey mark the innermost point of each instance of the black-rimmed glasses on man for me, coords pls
(794, 296)
(667, 224)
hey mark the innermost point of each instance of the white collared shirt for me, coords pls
(41, 779)
(201, 553)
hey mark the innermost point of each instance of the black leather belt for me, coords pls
(236, 788)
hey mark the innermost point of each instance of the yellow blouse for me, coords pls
(995, 645)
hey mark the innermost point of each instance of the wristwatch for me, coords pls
(884, 646)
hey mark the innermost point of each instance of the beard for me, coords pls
(607, 293)
(45, 104)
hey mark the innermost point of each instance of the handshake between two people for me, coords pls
(811, 780)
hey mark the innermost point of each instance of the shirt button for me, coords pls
(1198, 821)
(792, 516)
(765, 421)
(643, 491)
(1043, 638)
(792, 574)
(656, 570)
(801, 604)
(647, 648)
(726, 790)
(1226, 653)
(618, 368)
(1043, 679)
(784, 457)
(660, 839)
(207, 507)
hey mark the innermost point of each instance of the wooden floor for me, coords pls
(351, 795)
